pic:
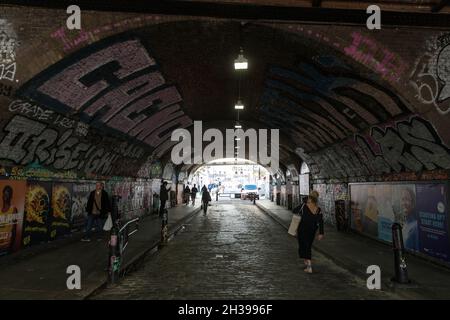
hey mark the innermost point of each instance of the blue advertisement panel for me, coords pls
(432, 220)
(421, 210)
(405, 208)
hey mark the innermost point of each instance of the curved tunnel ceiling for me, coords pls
(324, 97)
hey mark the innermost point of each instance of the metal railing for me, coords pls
(118, 242)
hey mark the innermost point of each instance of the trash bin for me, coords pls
(341, 219)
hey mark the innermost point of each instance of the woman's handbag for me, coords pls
(296, 218)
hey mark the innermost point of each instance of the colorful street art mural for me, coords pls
(34, 212)
(410, 145)
(102, 103)
(114, 84)
(431, 75)
(11, 214)
(8, 45)
(328, 194)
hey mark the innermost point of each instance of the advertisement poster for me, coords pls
(385, 211)
(404, 204)
(37, 212)
(12, 204)
(80, 194)
(375, 208)
(432, 223)
(61, 210)
(421, 210)
(364, 215)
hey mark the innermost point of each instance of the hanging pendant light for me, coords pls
(239, 105)
(241, 63)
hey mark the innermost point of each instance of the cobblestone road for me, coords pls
(237, 252)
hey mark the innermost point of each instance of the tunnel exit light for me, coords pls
(239, 105)
(241, 63)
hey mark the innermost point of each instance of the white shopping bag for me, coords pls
(108, 223)
(294, 225)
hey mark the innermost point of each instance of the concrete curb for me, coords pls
(134, 261)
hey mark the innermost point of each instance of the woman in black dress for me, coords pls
(312, 220)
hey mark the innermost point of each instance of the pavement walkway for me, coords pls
(355, 253)
(40, 272)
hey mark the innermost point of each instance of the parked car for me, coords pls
(249, 191)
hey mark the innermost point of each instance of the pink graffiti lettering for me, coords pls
(160, 99)
(164, 132)
(115, 100)
(148, 126)
(379, 59)
(67, 88)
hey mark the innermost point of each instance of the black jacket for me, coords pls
(106, 204)
(164, 193)
(206, 196)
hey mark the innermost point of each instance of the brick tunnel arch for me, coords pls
(101, 103)
(331, 102)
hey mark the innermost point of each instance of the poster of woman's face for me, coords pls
(406, 215)
(404, 198)
(12, 202)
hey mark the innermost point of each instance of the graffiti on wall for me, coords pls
(407, 146)
(328, 194)
(373, 55)
(412, 146)
(8, 44)
(84, 36)
(26, 141)
(320, 107)
(431, 76)
(40, 113)
(357, 46)
(6, 90)
(114, 84)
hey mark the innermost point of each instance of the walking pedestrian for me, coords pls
(98, 207)
(206, 198)
(187, 194)
(163, 197)
(312, 219)
(194, 191)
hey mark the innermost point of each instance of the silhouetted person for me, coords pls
(163, 197)
(187, 194)
(194, 194)
(98, 206)
(312, 220)
(206, 198)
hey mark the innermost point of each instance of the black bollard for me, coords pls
(114, 256)
(164, 226)
(254, 199)
(401, 272)
(217, 196)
